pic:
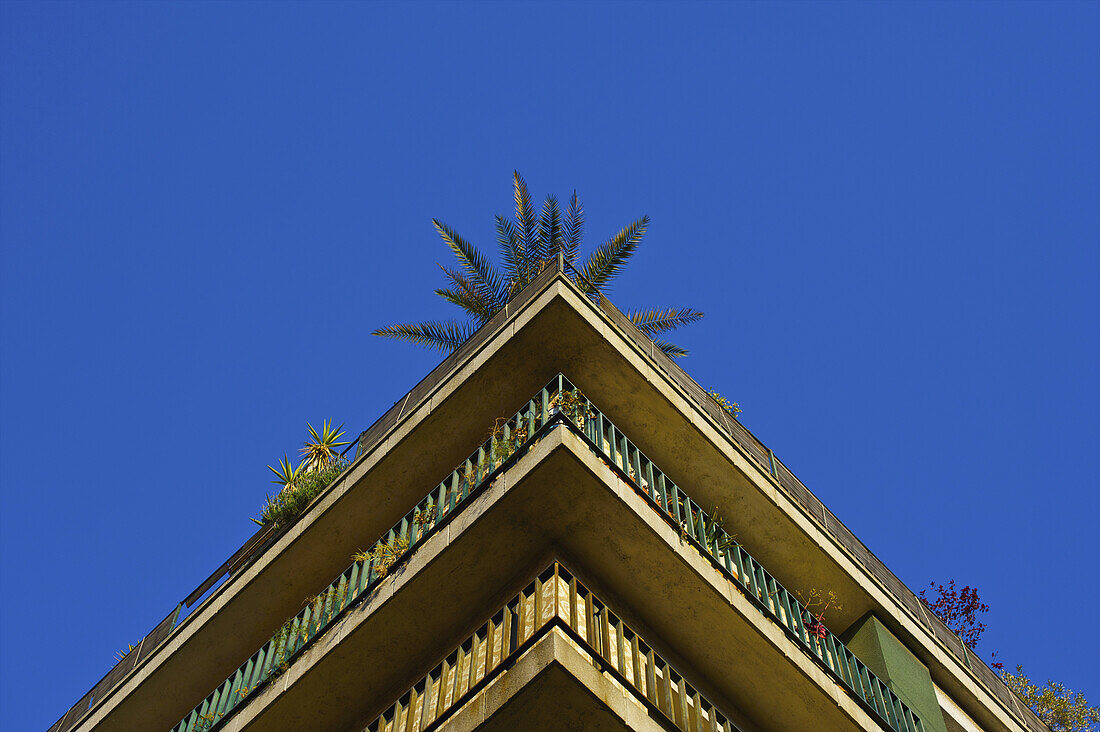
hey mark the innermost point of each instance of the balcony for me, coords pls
(550, 327)
(559, 404)
(554, 600)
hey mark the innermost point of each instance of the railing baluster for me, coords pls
(862, 683)
(257, 668)
(636, 463)
(223, 699)
(834, 659)
(238, 684)
(650, 677)
(899, 713)
(590, 622)
(475, 651)
(666, 687)
(205, 712)
(494, 635)
(620, 646)
(696, 712)
(513, 634)
(469, 477)
(772, 600)
(884, 697)
(445, 673)
(636, 661)
(869, 689)
(760, 583)
(750, 571)
(426, 706)
(456, 685)
(605, 632)
(398, 712)
(838, 662)
(682, 707)
(573, 604)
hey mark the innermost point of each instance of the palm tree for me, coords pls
(528, 245)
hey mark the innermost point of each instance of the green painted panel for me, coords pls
(897, 667)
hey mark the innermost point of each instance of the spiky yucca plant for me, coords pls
(320, 449)
(528, 245)
(286, 475)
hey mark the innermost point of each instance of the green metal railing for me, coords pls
(510, 438)
(559, 402)
(709, 537)
(554, 599)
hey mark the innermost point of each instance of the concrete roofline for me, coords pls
(412, 408)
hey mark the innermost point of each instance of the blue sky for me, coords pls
(890, 214)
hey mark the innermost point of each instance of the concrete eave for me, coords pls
(560, 500)
(554, 329)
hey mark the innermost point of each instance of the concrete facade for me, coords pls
(559, 500)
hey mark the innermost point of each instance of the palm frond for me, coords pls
(550, 240)
(479, 269)
(526, 245)
(511, 253)
(466, 295)
(574, 228)
(653, 321)
(669, 349)
(445, 336)
(608, 260)
(525, 213)
(472, 304)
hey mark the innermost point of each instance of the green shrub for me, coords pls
(287, 505)
(384, 554)
(731, 408)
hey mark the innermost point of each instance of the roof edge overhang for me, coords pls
(517, 337)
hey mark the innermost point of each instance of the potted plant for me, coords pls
(573, 405)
